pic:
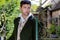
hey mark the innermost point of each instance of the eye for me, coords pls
(24, 7)
(28, 7)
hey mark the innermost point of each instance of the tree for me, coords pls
(11, 10)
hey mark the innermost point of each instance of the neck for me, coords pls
(24, 16)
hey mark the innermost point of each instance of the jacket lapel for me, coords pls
(25, 26)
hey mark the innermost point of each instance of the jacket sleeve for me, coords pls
(13, 36)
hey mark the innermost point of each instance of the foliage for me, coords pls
(58, 30)
(11, 10)
(52, 28)
(34, 7)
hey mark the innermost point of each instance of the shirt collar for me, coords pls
(20, 15)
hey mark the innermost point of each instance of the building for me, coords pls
(49, 14)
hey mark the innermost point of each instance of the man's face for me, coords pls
(26, 9)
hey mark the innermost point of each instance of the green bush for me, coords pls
(52, 29)
(11, 10)
(58, 30)
(55, 29)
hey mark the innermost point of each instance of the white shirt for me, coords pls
(21, 24)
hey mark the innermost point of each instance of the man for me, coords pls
(24, 25)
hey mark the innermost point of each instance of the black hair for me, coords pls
(25, 2)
